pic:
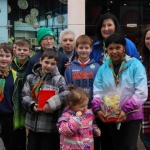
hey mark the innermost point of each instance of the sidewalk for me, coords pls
(140, 145)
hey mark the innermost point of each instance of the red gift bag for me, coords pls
(44, 95)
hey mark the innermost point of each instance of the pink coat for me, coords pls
(76, 133)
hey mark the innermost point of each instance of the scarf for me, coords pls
(117, 77)
(38, 84)
(3, 75)
(83, 64)
(19, 64)
(106, 56)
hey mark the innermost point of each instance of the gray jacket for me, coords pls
(40, 121)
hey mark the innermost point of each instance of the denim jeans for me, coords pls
(145, 137)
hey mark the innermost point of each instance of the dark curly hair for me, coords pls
(99, 26)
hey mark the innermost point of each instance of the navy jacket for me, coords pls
(82, 76)
(62, 60)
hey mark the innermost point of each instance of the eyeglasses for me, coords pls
(48, 39)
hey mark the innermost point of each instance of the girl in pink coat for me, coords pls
(76, 125)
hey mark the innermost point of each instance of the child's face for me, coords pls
(83, 51)
(48, 65)
(22, 52)
(116, 52)
(81, 107)
(5, 59)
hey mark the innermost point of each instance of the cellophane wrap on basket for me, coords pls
(110, 105)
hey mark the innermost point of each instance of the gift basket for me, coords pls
(110, 105)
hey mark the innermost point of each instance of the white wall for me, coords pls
(76, 16)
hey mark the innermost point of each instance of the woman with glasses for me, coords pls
(46, 38)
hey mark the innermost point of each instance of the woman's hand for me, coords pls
(101, 116)
(122, 117)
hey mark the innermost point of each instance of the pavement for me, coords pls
(139, 143)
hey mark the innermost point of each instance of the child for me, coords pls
(81, 72)
(22, 53)
(76, 126)
(42, 124)
(19, 64)
(9, 97)
(125, 76)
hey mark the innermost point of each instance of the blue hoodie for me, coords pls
(82, 76)
(98, 53)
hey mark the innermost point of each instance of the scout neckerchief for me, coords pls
(83, 64)
(38, 84)
(117, 77)
(3, 75)
(106, 56)
(19, 64)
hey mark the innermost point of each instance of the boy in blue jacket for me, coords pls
(81, 72)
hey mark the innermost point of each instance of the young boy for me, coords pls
(19, 64)
(9, 97)
(43, 134)
(81, 72)
(22, 53)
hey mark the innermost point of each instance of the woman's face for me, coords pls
(116, 52)
(108, 28)
(147, 40)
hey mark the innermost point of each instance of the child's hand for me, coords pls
(122, 117)
(46, 108)
(79, 113)
(67, 64)
(97, 132)
(35, 108)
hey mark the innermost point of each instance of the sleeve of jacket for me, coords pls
(68, 126)
(131, 49)
(27, 101)
(68, 75)
(141, 89)
(58, 100)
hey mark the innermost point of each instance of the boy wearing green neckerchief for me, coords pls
(19, 64)
(10, 111)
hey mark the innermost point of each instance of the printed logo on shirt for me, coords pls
(82, 75)
(92, 66)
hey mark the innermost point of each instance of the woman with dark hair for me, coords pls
(108, 24)
(125, 77)
(145, 53)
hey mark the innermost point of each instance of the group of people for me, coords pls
(81, 73)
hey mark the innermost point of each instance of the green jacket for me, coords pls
(19, 112)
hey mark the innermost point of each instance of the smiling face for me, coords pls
(5, 59)
(147, 40)
(83, 51)
(22, 52)
(48, 65)
(68, 43)
(116, 52)
(108, 28)
(47, 42)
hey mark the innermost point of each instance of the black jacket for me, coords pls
(62, 60)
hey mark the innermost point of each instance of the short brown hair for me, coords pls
(50, 53)
(7, 48)
(76, 95)
(84, 39)
(23, 42)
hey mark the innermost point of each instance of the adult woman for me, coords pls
(145, 53)
(126, 76)
(108, 24)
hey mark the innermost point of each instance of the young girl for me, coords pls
(76, 126)
(125, 76)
